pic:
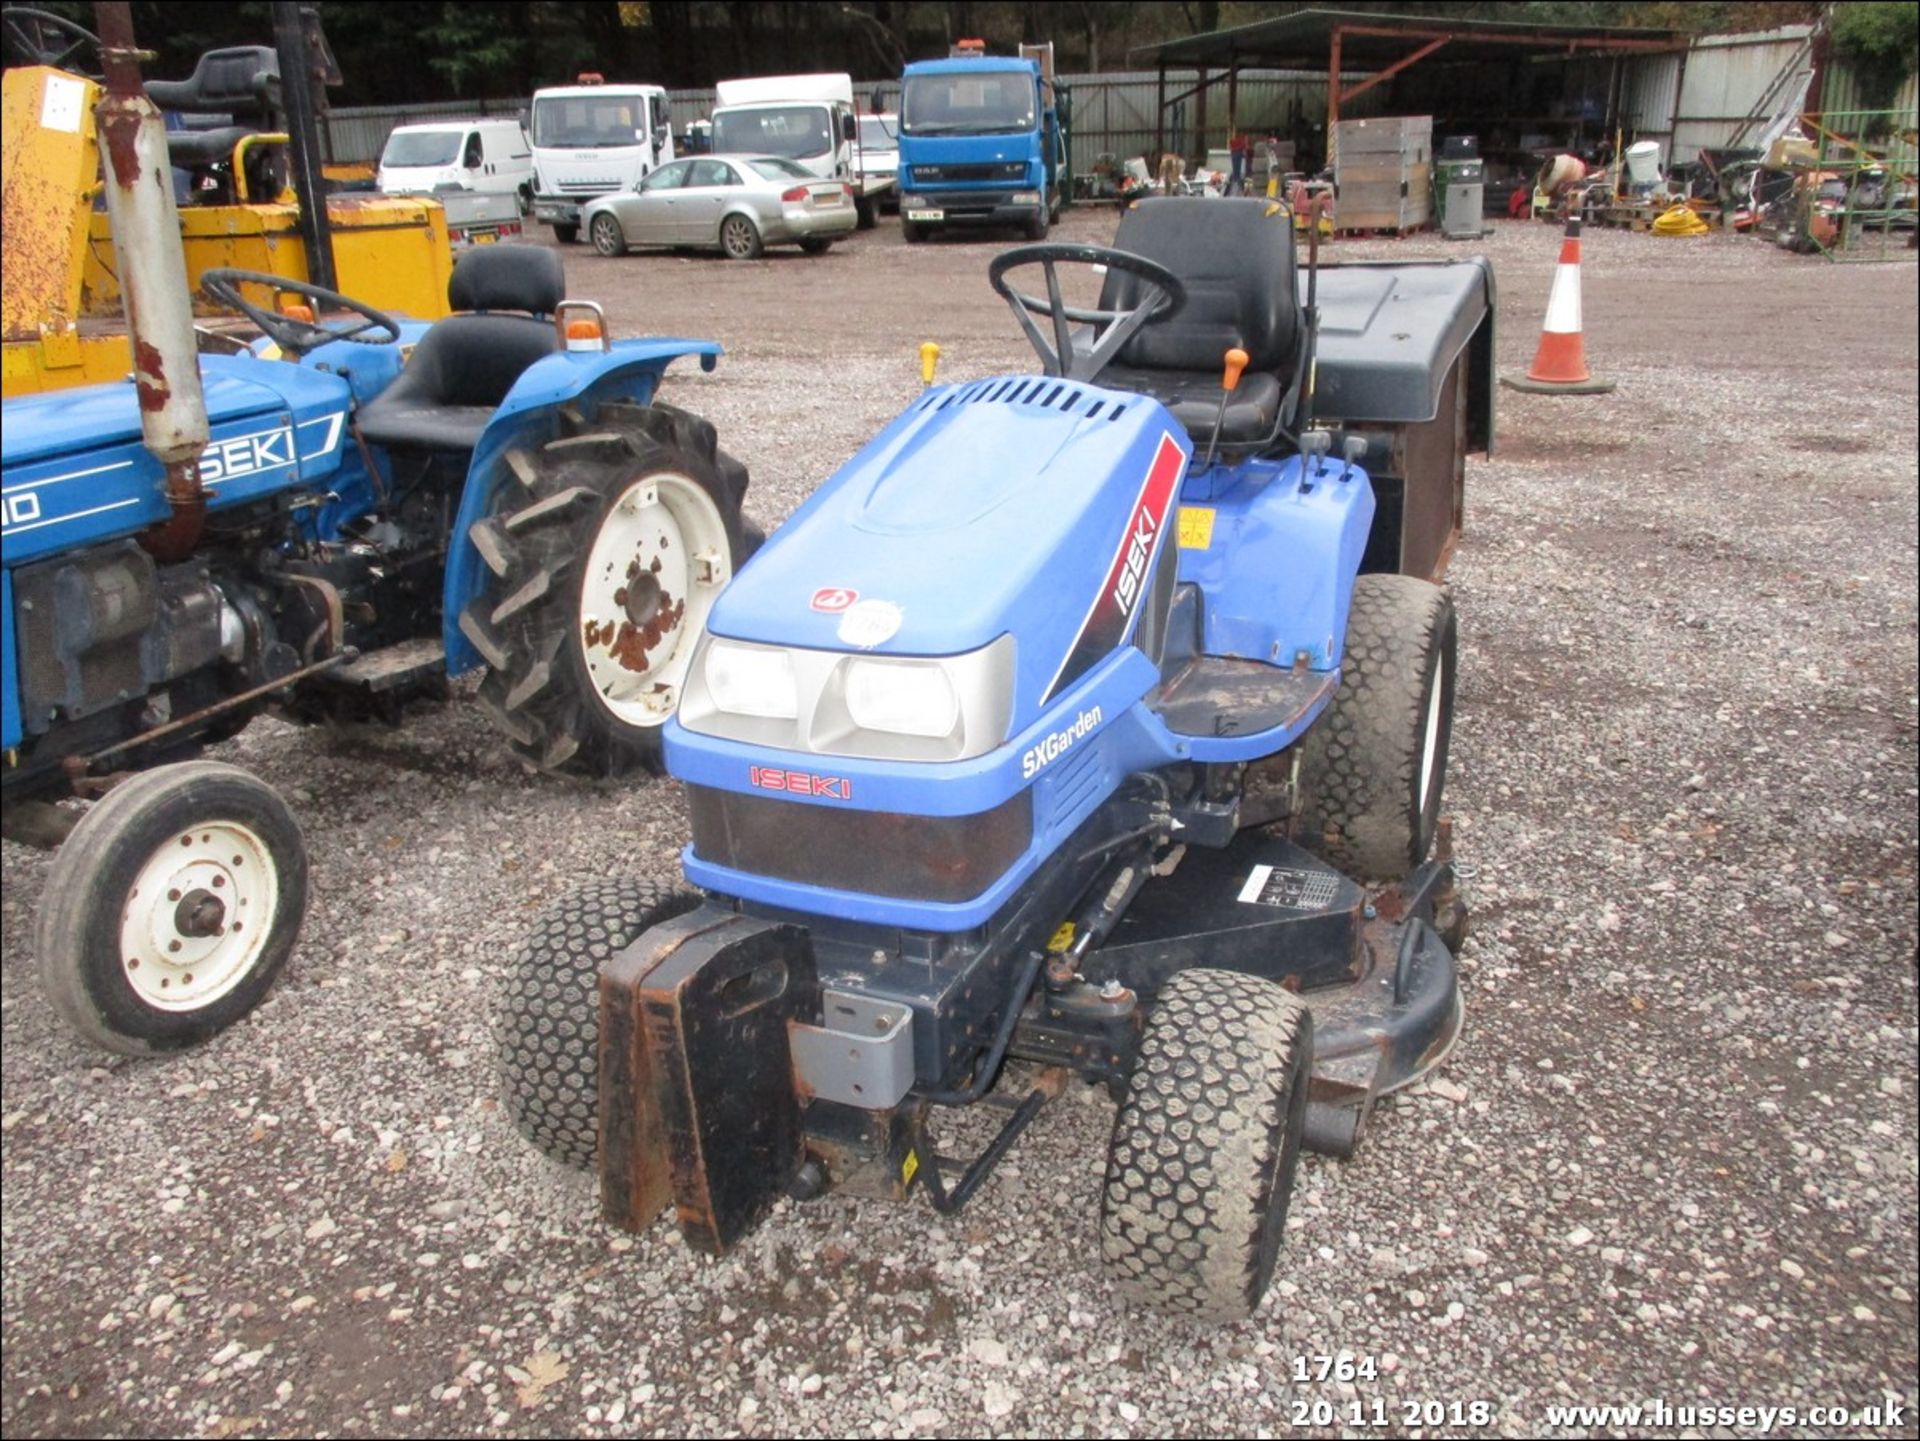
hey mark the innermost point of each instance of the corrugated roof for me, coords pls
(1369, 40)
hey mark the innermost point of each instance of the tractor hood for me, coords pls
(1016, 505)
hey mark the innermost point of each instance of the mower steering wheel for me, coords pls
(291, 334)
(29, 38)
(1113, 328)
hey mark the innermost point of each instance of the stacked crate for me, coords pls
(1383, 173)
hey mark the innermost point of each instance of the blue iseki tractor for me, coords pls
(370, 506)
(1094, 720)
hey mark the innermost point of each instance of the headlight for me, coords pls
(1026, 197)
(904, 697)
(752, 680)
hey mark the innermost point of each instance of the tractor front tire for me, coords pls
(549, 1014)
(1373, 769)
(605, 551)
(1201, 1165)
(171, 908)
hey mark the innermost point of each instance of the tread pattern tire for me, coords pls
(549, 1013)
(524, 623)
(1201, 1164)
(1362, 803)
(77, 932)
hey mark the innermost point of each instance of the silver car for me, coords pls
(738, 203)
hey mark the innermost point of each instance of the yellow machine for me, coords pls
(60, 301)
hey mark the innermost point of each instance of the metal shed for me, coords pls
(1362, 50)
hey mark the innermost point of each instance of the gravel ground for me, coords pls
(1673, 1157)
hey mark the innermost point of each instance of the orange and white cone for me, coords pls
(1560, 364)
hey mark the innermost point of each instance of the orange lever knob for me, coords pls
(1236, 362)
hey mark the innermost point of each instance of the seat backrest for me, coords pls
(508, 277)
(471, 360)
(1235, 257)
(239, 80)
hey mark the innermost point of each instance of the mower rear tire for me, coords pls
(604, 552)
(1201, 1164)
(1373, 769)
(171, 908)
(549, 1014)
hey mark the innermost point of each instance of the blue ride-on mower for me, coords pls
(371, 506)
(1095, 721)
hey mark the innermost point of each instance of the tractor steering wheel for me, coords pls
(1112, 328)
(40, 37)
(293, 335)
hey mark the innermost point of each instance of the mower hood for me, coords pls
(1018, 505)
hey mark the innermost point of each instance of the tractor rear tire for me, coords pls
(605, 551)
(171, 908)
(1373, 769)
(1201, 1165)
(549, 1014)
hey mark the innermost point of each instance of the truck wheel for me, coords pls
(549, 1016)
(605, 552)
(607, 236)
(1039, 225)
(566, 234)
(1200, 1168)
(740, 238)
(913, 231)
(1374, 766)
(171, 908)
(863, 210)
(815, 245)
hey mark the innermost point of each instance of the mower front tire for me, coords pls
(549, 1014)
(604, 552)
(1374, 767)
(1201, 1165)
(171, 908)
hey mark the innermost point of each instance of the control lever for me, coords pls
(1314, 445)
(929, 361)
(1351, 449)
(1235, 363)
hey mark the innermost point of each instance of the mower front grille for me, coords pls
(881, 853)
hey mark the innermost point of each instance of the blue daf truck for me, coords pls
(983, 141)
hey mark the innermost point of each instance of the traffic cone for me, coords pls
(1560, 365)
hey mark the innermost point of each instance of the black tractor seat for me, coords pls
(464, 365)
(1235, 257)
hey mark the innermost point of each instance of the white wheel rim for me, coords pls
(1431, 746)
(658, 562)
(198, 916)
(737, 237)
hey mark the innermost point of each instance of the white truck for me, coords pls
(808, 119)
(592, 139)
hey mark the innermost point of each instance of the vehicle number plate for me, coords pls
(829, 197)
(926, 215)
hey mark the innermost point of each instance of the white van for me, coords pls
(484, 155)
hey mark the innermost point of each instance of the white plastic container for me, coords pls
(1643, 164)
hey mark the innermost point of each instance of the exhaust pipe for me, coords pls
(153, 283)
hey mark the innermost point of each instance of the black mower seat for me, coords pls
(1235, 257)
(240, 79)
(464, 366)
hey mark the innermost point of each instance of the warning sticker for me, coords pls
(1291, 890)
(1196, 527)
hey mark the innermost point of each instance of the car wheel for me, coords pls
(606, 235)
(171, 908)
(604, 553)
(740, 238)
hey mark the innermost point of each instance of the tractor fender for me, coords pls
(631, 370)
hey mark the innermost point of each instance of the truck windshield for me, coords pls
(876, 134)
(583, 122)
(420, 147)
(799, 132)
(992, 104)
